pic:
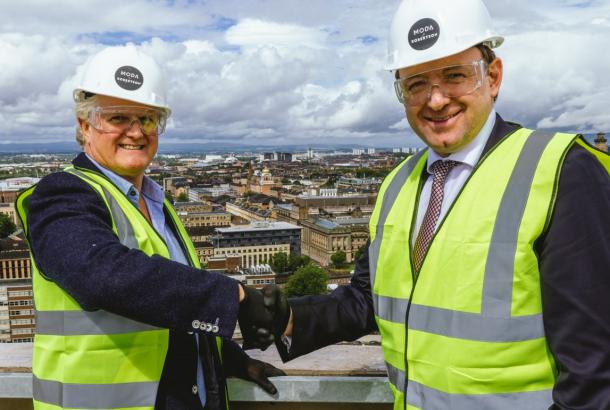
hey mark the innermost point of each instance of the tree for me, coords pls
(295, 262)
(183, 197)
(307, 280)
(169, 197)
(359, 252)
(338, 259)
(7, 226)
(279, 262)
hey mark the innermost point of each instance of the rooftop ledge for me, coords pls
(341, 376)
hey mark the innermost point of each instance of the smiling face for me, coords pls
(126, 153)
(447, 124)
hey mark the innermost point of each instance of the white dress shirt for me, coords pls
(467, 158)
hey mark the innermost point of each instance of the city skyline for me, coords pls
(273, 73)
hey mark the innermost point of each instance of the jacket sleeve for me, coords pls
(345, 314)
(74, 246)
(575, 275)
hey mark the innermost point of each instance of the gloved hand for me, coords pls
(275, 300)
(256, 321)
(259, 372)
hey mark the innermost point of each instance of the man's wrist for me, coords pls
(288, 330)
(242, 294)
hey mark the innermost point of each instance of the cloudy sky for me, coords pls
(290, 71)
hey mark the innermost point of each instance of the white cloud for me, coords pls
(284, 71)
(256, 33)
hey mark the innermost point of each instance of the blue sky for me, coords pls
(288, 71)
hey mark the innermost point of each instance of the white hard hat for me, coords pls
(426, 30)
(126, 73)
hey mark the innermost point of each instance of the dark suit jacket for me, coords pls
(66, 217)
(574, 257)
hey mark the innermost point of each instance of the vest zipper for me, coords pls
(413, 281)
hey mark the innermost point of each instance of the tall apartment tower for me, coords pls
(601, 142)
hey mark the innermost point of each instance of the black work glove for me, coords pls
(259, 373)
(275, 300)
(256, 321)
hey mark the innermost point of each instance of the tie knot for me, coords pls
(442, 168)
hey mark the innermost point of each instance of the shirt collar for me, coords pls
(149, 188)
(471, 153)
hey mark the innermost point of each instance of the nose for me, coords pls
(134, 131)
(436, 99)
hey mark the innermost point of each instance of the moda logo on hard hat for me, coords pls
(424, 34)
(128, 78)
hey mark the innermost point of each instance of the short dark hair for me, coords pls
(487, 53)
(488, 56)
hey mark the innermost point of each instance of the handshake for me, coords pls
(263, 316)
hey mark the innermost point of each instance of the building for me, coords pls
(224, 263)
(192, 219)
(196, 214)
(324, 237)
(192, 206)
(258, 276)
(17, 321)
(257, 242)
(358, 151)
(200, 233)
(601, 142)
(246, 212)
(205, 250)
(251, 255)
(202, 193)
(10, 188)
(8, 209)
(311, 207)
(360, 184)
(284, 156)
(176, 186)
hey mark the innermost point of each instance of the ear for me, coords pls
(494, 76)
(85, 128)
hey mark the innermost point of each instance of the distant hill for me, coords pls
(72, 147)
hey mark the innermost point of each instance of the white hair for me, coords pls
(83, 107)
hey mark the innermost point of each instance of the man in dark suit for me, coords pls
(487, 269)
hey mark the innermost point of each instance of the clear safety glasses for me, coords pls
(452, 81)
(120, 119)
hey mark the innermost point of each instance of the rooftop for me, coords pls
(259, 226)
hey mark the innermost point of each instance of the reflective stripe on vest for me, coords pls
(388, 200)
(427, 398)
(80, 322)
(124, 229)
(95, 396)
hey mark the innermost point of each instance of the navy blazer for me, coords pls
(574, 260)
(73, 244)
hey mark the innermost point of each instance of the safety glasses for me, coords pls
(452, 81)
(120, 119)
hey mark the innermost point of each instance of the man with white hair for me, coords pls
(125, 316)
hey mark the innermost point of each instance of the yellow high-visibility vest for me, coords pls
(466, 333)
(99, 360)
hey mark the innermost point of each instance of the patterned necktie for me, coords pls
(440, 170)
